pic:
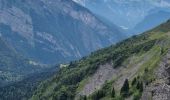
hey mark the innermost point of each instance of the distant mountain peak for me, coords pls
(126, 13)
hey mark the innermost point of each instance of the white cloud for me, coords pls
(161, 3)
(158, 3)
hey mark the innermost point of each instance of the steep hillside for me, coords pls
(53, 31)
(14, 67)
(159, 88)
(119, 72)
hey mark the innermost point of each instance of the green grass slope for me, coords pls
(138, 55)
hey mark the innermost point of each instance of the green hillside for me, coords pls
(133, 60)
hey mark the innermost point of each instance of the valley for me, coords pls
(84, 49)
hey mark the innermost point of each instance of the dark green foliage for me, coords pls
(137, 96)
(139, 86)
(83, 97)
(24, 89)
(113, 92)
(98, 95)
(134, 81)
(146, 70)
(125, 89)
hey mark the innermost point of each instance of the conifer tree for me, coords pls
(134, 81)
(113, 92)
(139, 86)
(125, 89)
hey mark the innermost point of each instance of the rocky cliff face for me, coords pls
(53, 31)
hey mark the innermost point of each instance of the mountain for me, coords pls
(125, 13)
(151, 21)
(14, 67)
(53, 31)
(135, 68)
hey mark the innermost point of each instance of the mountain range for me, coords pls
(84, 49)
(127, 14)
(53, 31)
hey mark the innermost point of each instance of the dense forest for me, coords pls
(25, 88)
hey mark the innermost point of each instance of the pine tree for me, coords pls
(83, 97)
(134, 81)
(125, 89)
(139, 86)
(113, 92)
(98, 95)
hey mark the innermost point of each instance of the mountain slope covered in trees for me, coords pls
(117, 72)
(13, 66)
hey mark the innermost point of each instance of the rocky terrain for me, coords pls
(159, 89)
(103, 74)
